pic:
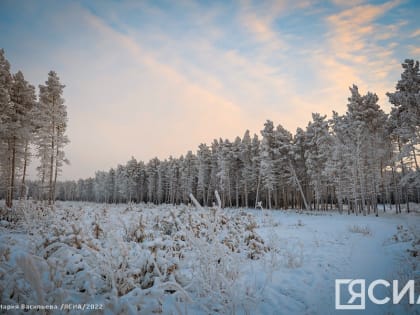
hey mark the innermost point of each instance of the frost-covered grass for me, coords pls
(143, 259)
(361, 229)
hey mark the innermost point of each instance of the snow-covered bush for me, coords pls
(129, 258)
(360, 229)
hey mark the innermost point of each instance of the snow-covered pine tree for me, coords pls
(141, 184)
(6, 110)
(376, 156)
(359, 144)
(111, 187)
(188, 176)
(51, 121)
(17, 99)
(236, 166)
(24, 100)
(256, 165)
(405, 127)
(224, 161)
(318, 143)
(406, 111)
(214, 170)
(173, 180)
(267, 158)
(204, 173)
(131, 178)
(369, 121)
(162, 189)
(152, 179)
(284, 167)
(337, 166)
(100, 186)
(299, 148)
(120, 183)
(20, 130)
(247, 178)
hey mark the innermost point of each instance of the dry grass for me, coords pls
(360, 229)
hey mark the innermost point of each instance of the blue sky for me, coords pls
(157, 78)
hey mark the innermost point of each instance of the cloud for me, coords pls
(162, 83)
(354, 52)
(346, 3)
(146, 108)
(128, 97)
(218, 92)
(414, 51)
(415, 33)
(350, 29)
(258, 20)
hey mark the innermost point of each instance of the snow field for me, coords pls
(143, 259)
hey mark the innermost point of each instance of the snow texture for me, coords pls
(144, 259)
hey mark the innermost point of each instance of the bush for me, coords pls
(360, 229)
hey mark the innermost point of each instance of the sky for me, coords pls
(157, 78)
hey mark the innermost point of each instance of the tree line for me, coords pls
(351, 162)
(29, 122)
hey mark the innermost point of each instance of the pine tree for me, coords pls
(247, 172)
(17, 98)
(204, 170)
(188, 176)
(256, 166)
(24, 99)
(236, 165)
(316, 155)
(267, 157)
(173, 180)
(100, 186)
(360, 139)
(224, 174)
(6, 123)
(284, 166)
(299, 150)
(132, 174)
(406, 111)
(162, 189)
(111, 186)
(51, 139)
(152, 179)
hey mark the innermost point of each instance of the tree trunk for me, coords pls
(11, 184)
(246, 193)
(298, 184)
(55, 177)
(258, 191)
(50, 182)
(397, 197)
(237, 191)
(414, 156)
(269, 198)
(23, 191)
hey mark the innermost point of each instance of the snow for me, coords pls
(143, 259)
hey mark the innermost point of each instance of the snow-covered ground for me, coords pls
(143, 259)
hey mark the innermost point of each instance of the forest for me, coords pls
(355, 162)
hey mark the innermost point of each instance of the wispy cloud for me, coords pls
(414, 51)
(351, 29)
(156, 79)
(258, 20)
(346, 3)
(416, 33)
(353, 52)
(197, 108)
